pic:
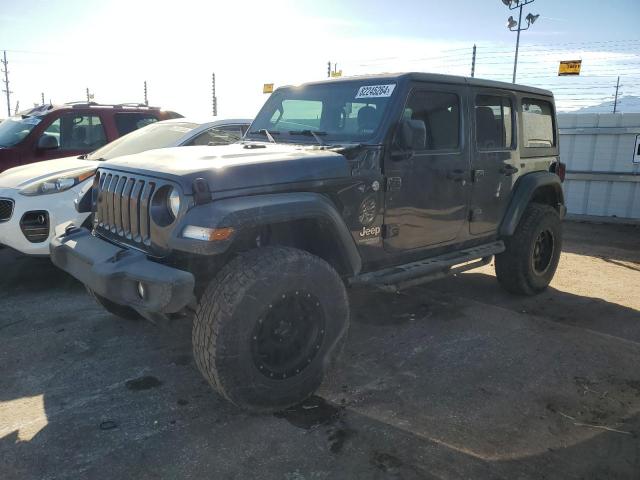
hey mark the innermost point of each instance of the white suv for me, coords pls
(37, 197)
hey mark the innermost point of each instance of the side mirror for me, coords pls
(47, 142)
(411, 135)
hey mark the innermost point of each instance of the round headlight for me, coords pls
(173, 201)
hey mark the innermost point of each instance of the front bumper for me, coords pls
(59, 208)
(115, 273)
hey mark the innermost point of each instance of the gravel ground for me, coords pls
(455, 379)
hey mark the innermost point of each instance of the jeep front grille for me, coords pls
(6, 209)
(122, 206)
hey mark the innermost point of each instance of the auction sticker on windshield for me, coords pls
(375, 91)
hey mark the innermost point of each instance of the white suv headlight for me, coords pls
(57, 184)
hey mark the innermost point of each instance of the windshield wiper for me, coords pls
(310, 133)
(266, 133)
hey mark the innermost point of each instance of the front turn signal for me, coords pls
(207, 234)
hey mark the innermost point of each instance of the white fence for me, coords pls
(602, 153)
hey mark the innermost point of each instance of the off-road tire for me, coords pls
(121, 311)
(240, 301)
(515, 268)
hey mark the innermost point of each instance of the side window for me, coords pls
(494, 126)
(233, 129)
(54, 130)
(215, 136)
(78, 132)
(537, 124)
(128, 122)
(440, 113)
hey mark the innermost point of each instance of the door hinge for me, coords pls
(390, 230)
(394, 184)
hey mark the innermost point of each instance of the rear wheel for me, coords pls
(127, 313)
(531, 258)
(269, 326)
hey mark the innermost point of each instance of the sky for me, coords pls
(60, 48)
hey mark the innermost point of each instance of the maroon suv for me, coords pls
(47, 132)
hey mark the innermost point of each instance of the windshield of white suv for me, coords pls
(14, 129)
(156, 135)
(346, 112)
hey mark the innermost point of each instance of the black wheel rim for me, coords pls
(288, 336)
(543, 249)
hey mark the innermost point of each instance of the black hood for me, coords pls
(236, 166)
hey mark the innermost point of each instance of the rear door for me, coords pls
(495, 157)
(427, 194)
(127, 122)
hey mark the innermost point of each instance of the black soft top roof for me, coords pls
(439, 78)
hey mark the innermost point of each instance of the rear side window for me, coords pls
(537, 124)
(494, 125)
(440, 113)
(128, 122)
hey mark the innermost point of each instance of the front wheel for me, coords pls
(269, 326)
(531, 258)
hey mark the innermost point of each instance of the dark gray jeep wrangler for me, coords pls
(388, 181)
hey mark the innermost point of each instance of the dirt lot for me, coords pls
(455, 379)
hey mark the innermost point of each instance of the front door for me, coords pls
(428, 192)
(495, 158)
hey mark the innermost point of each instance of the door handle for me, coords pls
(508, 170)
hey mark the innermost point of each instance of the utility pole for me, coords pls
(214, 99)
(473, 62)
(615, 102)
(146, 100)
(512, 24)
(6, 83)
(515, 61)
(89, 96)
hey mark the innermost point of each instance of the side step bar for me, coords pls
(416, 273)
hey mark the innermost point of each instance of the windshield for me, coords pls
(348, 112)
(14, 129)
(156, 135)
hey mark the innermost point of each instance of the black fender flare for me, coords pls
(523, 192)
(249, 212)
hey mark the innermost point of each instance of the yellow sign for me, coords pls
(336, 74)
(570, 67)
(267, 88)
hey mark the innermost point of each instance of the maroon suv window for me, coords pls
(128, 122)
(77, 132)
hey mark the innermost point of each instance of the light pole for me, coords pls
(517, 26)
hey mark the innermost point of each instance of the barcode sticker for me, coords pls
(376, 91)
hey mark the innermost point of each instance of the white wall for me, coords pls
(602, 178)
